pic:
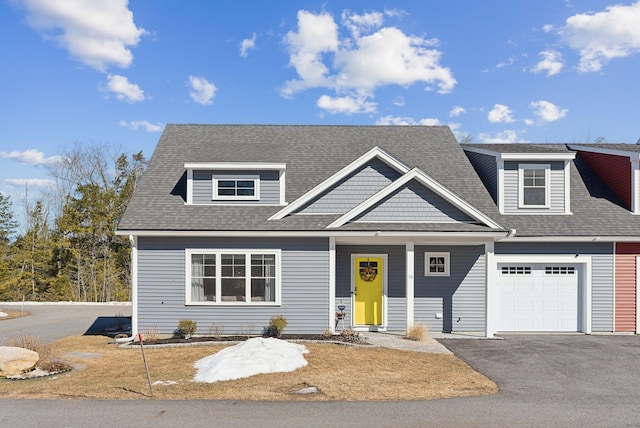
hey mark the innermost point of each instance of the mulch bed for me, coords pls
(345, 338)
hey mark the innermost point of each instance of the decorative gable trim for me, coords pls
(424, 179)
(541, 156)
(335, 178)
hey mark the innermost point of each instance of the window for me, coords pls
(246, 188)
(534, 185)
(233, 277)
(436, 264)
(516, 270)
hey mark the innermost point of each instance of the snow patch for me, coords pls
(3, 314)
(255, 356)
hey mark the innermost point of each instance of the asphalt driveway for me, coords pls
(51, 322)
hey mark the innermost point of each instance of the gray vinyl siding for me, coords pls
(396, 290)
(304, 286)
(556, 189)
(487, 169)
(459, 297)
(414, 203)
(269, 186)
(602, 273)
(354, 189)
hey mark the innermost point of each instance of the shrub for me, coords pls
(349, 335)
(31, 342)
(150, 335)
(276, 325)
(216, 330)
(187, 328)
(417, 332)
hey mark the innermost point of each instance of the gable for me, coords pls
(353, 189)
(414, 203)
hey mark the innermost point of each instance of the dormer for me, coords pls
(235, 183)
(618, 166)
(530, 181)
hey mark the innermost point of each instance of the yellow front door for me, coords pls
(368, 283)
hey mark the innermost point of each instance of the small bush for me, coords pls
(216, 330)
(246, 329)
(187, 328)
(417, 332)
(31, 342)
(150, 335)
(349, 335)
(327, 333)
(276, 325)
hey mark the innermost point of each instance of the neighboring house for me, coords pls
(233, 224)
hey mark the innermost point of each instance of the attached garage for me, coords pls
(539, 297)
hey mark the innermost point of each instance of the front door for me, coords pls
(368, 287)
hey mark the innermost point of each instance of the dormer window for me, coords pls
(229, 188)
(534, 185)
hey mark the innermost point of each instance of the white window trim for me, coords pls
(256, 187)
(547, 191)
(447, 263)
(247, 254)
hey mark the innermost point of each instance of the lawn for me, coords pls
(340, 372)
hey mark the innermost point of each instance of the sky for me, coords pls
(114, 72)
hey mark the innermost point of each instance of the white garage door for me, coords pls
(538, 297)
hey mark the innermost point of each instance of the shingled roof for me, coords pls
(311, 153)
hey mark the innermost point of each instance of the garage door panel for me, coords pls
(538, 297)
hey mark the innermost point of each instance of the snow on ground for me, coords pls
(3, 314)
(255, 356)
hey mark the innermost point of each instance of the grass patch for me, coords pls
(340, 372)
(12, 313)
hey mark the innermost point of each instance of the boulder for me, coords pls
(14, 360)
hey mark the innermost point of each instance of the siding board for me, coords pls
(487, 169)
(203, 187)
(305, 286)
(614, 170)
(626, 286)
(556, 189)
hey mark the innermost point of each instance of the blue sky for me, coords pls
(115, 72)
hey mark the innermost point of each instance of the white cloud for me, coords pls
(98, 33)
(247, 44)
(123, 89)
(600, 37)
(372, 57)
(407, 121)
(505, 137)
(551, 63)
(30, 182)
(30, 157)
(500, 114)
(202, 91)
(346, 105)
(134, 125)
(457, 111)
(547, 28)
(547, 112)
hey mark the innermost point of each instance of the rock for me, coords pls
(309, 390)
(16, 360)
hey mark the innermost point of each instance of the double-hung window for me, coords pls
(232, 188)
(233, 277)
(534, 185)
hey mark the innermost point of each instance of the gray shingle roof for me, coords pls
(312, 154)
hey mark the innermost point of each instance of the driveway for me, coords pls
(54, 321)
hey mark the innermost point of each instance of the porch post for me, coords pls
(332, 284)
(410, 281)
(491, 290)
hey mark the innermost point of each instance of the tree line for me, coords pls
(65, 247)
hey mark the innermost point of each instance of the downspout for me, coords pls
(134, 291)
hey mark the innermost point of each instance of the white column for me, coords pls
(332, 284)
(491, 290)
(410, 281)
(134, 284)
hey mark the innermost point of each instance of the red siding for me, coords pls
(614, 170)
(625, 283)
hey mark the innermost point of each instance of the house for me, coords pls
(233, 224)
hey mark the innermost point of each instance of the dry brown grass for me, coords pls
(31, 342)
(417, 332)
(12, 313)
(340, 372)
